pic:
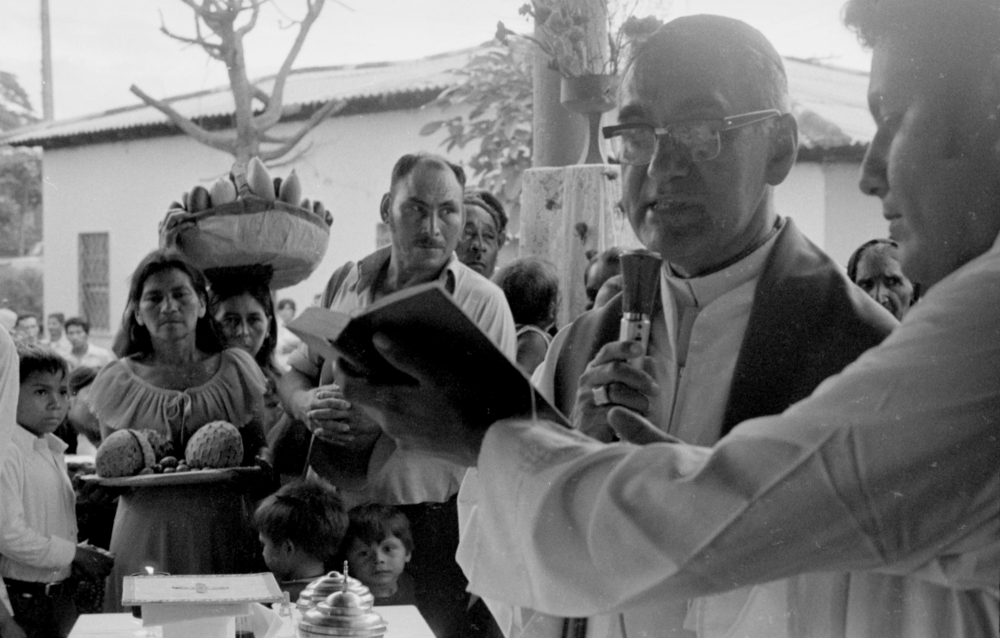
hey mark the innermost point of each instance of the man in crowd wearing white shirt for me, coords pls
(55, 336)
(887, 468)
(424, 212)
(83, 353)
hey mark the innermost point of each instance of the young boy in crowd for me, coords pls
(38, 536)
(379, 546)
(301, 527)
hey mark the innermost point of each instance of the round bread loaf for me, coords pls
(124, 453)
(215, 445)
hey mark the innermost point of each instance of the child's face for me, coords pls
(277, 557)
(377, 564)
(42, 402)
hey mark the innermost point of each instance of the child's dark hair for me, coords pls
(373, 523)
(308, 513)
(35, 359)
(531, 286)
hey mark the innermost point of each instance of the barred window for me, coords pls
(95, 305)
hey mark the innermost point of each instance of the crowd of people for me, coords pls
(802, 449)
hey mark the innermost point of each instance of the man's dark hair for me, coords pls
(77, 321)
(25, 315)
(409, 162)
(977, 20)
(531, 286)
(489, 202)
(81, 378)
(286, 303)
(308, 513)
(58, 315)
(752, 62)
(373, 523)
(35, 359)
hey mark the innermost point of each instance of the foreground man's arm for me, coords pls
(890, 465)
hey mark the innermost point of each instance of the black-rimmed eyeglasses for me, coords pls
(635, 143)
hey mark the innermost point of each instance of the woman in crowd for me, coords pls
(531, 286)
(874, 267)
(175, 375)
(485, 232)
(244, 311)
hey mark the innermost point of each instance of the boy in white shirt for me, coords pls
(38, 538)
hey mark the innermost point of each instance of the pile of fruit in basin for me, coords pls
(250, 219)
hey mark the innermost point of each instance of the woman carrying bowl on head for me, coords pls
(243, 308)
(174, 375)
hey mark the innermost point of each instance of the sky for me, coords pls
(101, 47)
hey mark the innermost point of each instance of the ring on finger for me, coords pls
(601, 395)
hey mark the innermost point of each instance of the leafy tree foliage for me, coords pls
(15, 107)
(496, 86)
(20, 201)
(20, 175)
(21, 290)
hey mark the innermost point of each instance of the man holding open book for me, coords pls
(424, 212)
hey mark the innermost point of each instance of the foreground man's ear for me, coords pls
(784, 148)
(384, 207)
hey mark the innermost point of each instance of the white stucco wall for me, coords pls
(852, 218)
(124, 189)
(800, 197)
(827, 205)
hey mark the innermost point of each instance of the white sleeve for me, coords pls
(18, 541)
(890, 465)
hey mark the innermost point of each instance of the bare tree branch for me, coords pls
(331, 107)
(272, 114)
(246, 28)
(211, 48)
(294, 157)
(220, 141)
(261, 95)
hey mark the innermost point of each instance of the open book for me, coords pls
(426, 319)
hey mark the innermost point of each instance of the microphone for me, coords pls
(640, 283)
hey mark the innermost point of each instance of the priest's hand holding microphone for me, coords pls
(621, 375)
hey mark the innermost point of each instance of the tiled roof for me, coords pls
(829, 102)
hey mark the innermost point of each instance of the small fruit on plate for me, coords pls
(168, 461)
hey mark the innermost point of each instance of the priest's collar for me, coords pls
(698, 292)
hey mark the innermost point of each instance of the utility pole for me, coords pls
(48, 110)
